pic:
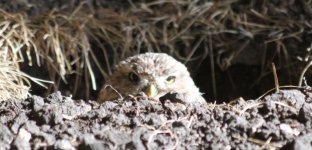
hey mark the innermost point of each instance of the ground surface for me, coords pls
(280, 120)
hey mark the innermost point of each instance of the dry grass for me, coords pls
(81, 41)
(11, 82)
(14, 39)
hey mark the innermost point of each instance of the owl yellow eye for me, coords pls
(133, 77)
(170, 79)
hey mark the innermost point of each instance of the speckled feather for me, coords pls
(155, 67)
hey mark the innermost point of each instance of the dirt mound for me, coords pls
(279, 120)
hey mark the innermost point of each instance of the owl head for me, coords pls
(155, 74)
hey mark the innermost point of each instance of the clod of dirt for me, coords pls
(303, 142)
(279, 120)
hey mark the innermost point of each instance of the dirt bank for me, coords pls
(279, 120)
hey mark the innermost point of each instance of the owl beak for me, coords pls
(150, 90)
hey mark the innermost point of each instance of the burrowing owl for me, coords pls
(155, 74)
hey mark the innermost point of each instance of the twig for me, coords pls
(275, 78)
(249, 107)
(213, 74)
(266, 143)
(303, 72)
(296, 111)
(107, 85)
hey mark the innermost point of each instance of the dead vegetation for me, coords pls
(85, 39)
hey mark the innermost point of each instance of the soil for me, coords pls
(280, 120)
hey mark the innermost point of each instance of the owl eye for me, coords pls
(170, 79)
(133, 77)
